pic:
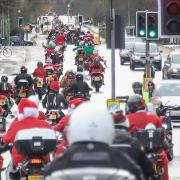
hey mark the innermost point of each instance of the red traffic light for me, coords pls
(173, 8)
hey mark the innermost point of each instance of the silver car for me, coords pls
(138, 57)
(168, 92)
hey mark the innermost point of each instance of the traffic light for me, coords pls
(152, 26)
(170, 17)
(80, 18)
(141, 24)
(20, 21)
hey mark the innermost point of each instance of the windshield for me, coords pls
(176, 59)
(141, 48)
(129, 46)
(167, 90)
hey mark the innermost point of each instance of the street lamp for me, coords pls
(68, 10)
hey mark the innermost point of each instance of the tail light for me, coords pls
(53, 113)
(36, 161)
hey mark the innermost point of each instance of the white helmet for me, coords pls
(90, 123)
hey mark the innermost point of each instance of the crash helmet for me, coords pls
(23, 69)
(120, 120)
(80, 68)
(39, 64)
(97, 62)
(90, 126)
(135, 103)
(79, 77)
(4, 79)
(137, 87)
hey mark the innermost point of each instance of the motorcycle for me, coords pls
(22, 90)
(164, 113)
(34, 143)
(39, 87)
(97, 80)
(153, 142)
(4, 113)
(92, 173)
(80, 60)
(54, 116)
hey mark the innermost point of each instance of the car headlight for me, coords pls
(157, 57)
(136, 57)
(174, 70)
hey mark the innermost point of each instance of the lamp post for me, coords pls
(68, 10)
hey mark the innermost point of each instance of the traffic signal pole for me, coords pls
(148, 63)
(113, 86)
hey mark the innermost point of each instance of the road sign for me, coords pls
(113, 104)
(145, 82)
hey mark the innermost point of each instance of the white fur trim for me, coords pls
(34, 99)
(28, 112)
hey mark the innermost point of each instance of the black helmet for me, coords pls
(79, 77)
(135, 103)
(4, 79)
(79, 68)
(97, 62)
(137, 84)
(40, 64)
(23, 69)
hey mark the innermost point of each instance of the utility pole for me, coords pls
(113, 80)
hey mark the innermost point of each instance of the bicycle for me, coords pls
(7, 52)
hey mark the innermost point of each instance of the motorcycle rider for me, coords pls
(124, 142)
(27, 118)
(53, 99)
(97, 67)
(67, 80)
(89, 141)
(40, 71)
(137, 87)
(62, 124)
(25, 80)
(80, 87)
(6, 90)
(139, 119)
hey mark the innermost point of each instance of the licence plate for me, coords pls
(174, 113)
(53, 117)
(39, 85)
(35, 177)
(97, 78)
(22, 95)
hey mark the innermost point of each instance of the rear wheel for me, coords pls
(97, 88)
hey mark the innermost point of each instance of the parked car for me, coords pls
(88, 22)
(168, 92)
(126, 53)
(138, 56)
(132, 39)
(15, 41)
(171, 68)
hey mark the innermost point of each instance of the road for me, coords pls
(124, 78)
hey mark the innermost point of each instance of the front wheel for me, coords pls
(7, 52)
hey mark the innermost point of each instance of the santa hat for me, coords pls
(27, 108)
(74, 103)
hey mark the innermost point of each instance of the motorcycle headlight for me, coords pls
(157, 57)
